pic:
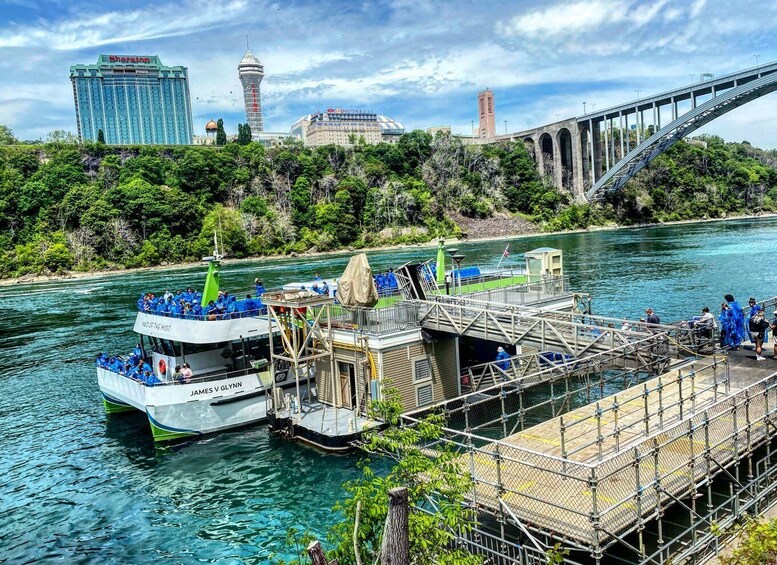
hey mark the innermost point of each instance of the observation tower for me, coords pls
(251, 74)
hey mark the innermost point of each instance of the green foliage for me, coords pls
(757, 544)
(108, 200)
(221, 135)
(148, 256)
(228, 224)
(100, 136)
(58, 258)
(243, 134)
(6, 136)
(61, 136)
(429, 473)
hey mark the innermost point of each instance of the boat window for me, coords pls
(192, 348)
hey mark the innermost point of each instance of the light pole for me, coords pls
(757, 58)
(693, 77)
(584, 110)
(452, 252)
(505, 127)
(638, 91)
(458, 258)
(472, 128)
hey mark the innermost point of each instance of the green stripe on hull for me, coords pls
(114, 408)
(161, 434)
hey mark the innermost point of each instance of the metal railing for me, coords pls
(638, 463)
(206, 377)
(376, 321)
(510, 404)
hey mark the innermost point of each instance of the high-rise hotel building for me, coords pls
(133, 100)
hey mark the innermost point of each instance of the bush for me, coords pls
(58, 258)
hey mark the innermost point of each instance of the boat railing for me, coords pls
(209, 376)
(518, 294)
(210, 317)
(376, 321)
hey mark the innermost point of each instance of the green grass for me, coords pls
(387, 301)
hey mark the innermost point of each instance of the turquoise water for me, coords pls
(77, 486)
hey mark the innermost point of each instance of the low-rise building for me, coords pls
(337, 126)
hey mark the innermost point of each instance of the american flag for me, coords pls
(506, 251)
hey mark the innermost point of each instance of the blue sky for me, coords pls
(419, 62)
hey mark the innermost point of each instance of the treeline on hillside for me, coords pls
(703, 178)
(90, 207)
(95, 206)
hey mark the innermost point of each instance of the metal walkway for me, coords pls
(565, 332)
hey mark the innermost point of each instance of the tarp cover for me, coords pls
(357, 287)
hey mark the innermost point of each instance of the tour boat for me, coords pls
(229, 357)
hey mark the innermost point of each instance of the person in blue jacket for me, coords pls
(737, 328)
(325, 289)
(249, 306)
(502, 356)
(260, 290)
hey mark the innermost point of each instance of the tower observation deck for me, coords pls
(251, 75)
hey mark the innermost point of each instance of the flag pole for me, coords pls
(504, 253)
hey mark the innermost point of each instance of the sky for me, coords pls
(419, 62)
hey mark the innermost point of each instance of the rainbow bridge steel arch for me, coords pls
(653, 146)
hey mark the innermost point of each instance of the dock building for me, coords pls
(132, 100)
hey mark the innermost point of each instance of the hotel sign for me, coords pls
(122, 59)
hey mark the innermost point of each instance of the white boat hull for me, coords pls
(188, 410)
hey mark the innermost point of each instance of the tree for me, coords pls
(243, 134)
(431, 470)
(58, 258)
(221, 135)
(61, 136)
(7, 136)
(100, 136)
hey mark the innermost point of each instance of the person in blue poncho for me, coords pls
(260, 290)
(325, 289)
(736, 330)
(249, 306)
(502, 356)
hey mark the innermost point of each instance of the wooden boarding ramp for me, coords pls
(598, 472)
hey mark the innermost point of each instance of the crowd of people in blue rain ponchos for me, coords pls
(188, 304)
(133, 366)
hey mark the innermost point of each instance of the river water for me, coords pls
(77, 486)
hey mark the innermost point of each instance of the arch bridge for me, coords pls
(599, 152)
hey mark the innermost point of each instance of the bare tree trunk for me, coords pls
(317, 556)
(395, 549)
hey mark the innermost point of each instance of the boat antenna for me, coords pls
(221, 233)
(216, 254)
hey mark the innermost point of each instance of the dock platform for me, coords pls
(600, 471)
(322, 426)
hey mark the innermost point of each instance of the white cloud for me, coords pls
(86, 31)
(565, 18)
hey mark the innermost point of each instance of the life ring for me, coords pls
(162, 367)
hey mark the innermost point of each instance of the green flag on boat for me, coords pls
(211, 291)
